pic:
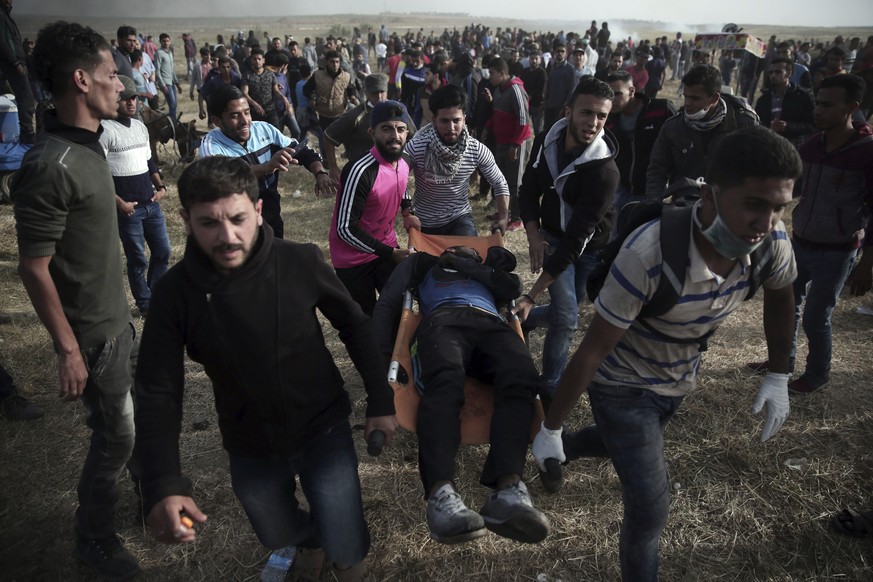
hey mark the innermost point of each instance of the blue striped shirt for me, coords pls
(642, 359)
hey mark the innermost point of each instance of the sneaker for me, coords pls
(510, 513)
(449, 520)
(357, 573)
(759, 367)
(108, 557)
(308, 565)
(515, 225)
(17, 407)
(803, 385)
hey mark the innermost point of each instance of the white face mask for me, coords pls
(726, 243)
(696, 116)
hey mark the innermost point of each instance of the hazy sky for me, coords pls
(689, 12)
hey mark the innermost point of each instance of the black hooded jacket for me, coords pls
(259, 339)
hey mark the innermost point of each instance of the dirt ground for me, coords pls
(738, 513)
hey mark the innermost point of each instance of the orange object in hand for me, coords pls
(187, 521)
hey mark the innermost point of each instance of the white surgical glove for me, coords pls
(773, 393)
(548, 445)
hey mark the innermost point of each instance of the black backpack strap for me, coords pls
(702, 341)
(675, 233)
(676, 226)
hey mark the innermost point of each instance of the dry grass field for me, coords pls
(738, 513)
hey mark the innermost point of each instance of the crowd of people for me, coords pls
(563, 134)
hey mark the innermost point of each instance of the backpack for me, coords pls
(677, 220)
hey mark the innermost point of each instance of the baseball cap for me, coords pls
(375, 83)
(129, 87)
(388, 111)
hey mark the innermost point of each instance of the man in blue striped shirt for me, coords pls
(636, 378)
(267, 150)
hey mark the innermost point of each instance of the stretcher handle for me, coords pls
(402, 336)
(553, 477)
(375, 443)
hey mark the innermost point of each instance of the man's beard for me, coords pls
(390, 156)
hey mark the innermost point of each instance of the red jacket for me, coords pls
(510, 122)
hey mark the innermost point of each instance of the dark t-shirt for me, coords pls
(261, 87)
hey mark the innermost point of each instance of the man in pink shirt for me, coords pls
(363, 243)
(638, 70)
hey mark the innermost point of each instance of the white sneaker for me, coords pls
(449, 520)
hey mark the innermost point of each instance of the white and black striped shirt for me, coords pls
(437, 200)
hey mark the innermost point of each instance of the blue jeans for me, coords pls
(460, 226)
(146, 226)
(561, 315)
(631, 423)
(820, 278)
(328, 471)
(170, 95)
(290, 121)
(109, 415)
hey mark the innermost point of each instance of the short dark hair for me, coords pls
(619, 75)
(331, 54)
(589, 85)
(217, 102)
(280, 59)
(61, 48)
(783, 61)
(293, 42)
(305, 70)
(224, 59)
(257, 51)
(215, 177)
(163, 36)
(124, 31)
(853, 85)
(499, 64)
(837, 52)
(135, 55)
(204, 51)
(706, 76)
(447, 97)
(753, 152)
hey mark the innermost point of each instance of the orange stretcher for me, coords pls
(478, 396)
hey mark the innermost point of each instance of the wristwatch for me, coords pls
(322, 171)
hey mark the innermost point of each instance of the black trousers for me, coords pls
(364, 280)
(272, 211)
(452, 343)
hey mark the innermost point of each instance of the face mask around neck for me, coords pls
(726, 243)
(697, 116)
